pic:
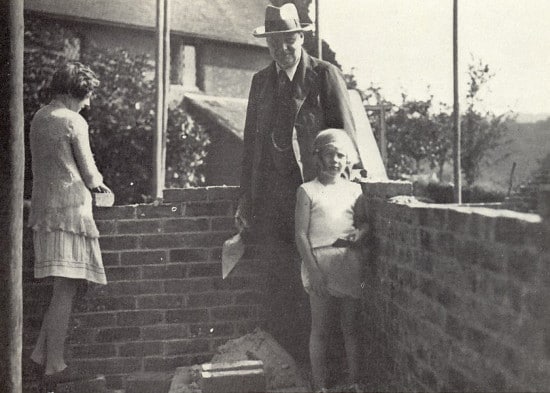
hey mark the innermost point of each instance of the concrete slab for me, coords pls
(228, 381)
(239, 365)
(280, 368)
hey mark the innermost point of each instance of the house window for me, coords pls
(71, 48)
(184, 66)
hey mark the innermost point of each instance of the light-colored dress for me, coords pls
(332, 217)
(66, 239)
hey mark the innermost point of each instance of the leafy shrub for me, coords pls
(121, 117)
(44, 50)
(444, 193)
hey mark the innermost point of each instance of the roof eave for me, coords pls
(74, 18)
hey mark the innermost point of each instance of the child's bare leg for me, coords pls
(320, 321)
(349, 320)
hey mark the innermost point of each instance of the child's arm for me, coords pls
(302, 218)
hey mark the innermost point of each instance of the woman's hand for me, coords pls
(102, 188)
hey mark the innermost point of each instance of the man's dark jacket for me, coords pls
(320, 101)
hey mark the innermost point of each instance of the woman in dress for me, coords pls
(65, 236)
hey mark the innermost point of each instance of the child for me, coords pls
(326, 237)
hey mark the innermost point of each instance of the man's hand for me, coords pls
(241, 217)
(358, 235)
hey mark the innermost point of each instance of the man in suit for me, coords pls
(290, 102)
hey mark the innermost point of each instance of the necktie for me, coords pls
(281, 126)
(282, 83)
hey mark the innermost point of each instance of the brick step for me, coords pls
(97, 384)
(148, 382)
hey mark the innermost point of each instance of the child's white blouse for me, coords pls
(332, 210)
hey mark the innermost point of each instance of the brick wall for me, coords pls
(457, 298)
(165, 305)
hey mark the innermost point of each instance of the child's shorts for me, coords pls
(342, 269)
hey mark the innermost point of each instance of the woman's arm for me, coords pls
(80, 143)
(302, 219)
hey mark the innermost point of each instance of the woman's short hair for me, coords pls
(75, 79)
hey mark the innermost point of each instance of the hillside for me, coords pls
(529, 143)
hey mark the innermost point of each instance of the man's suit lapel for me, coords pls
(267, 99)
(304, 78)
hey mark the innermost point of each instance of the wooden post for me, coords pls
(456, 111)
(381, 108)
(318, 31)
(12, 164)
(158, 136)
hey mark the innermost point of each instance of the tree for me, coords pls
(442, 144)
(482, 131)
(416, 135)
(122, 118)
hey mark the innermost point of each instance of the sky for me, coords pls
(406, 46)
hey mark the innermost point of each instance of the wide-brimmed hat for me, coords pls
(282, 19)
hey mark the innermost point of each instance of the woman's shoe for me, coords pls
(68, 374)
(35, 370)
(47, 386)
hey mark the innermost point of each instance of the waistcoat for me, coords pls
(279, 143)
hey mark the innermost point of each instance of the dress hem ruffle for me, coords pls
(66, 254)
(84, 226)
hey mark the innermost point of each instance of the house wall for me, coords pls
(134, 41)
(223, 69)
(228, 71)
(456, 298)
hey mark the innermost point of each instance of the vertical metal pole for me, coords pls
(158, 178)
(12, 164)
(456, 110)
(318, 31)
(166, 89)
